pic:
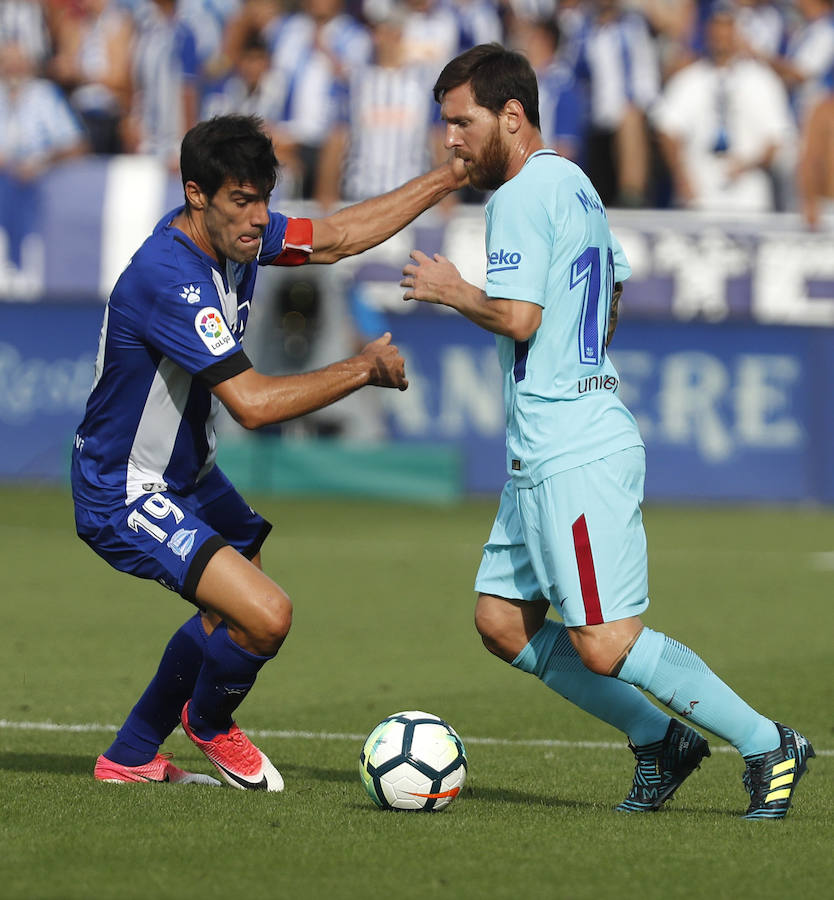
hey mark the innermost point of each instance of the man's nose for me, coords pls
(260, 214)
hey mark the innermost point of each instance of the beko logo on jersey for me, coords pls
(213, 331)
(191, 294)
(503, 261)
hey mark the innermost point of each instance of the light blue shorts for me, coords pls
(577, 539)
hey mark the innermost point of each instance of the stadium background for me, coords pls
(723, 349)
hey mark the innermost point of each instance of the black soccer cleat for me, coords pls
(663, 766)
(772, 777)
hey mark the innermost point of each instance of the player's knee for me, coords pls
(602, 648)
(592, 652)
(487, 622)
(596, 660)
(271, 625)
(492, 625)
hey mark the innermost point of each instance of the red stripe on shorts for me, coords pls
(587, 573)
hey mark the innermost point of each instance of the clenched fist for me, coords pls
(388, 366)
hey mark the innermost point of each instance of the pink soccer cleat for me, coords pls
(237, 759)
(159, 769)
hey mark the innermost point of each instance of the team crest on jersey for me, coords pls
(213, 331)
(181, 542)
(191, 294)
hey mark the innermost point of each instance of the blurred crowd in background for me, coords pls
(717, 105)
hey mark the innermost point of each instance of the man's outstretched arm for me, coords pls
(255, 399)
(356, 228)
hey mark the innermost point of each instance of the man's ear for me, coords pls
(194, 195)
(514, 114)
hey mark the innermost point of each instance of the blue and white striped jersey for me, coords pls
(36, 122)
(389, 113)
(562, 108)
(620, 61)
(313, 61)
(164, 63)
(23, 22)
(811, 50)
(172, 330)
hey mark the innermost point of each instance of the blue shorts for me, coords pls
(170, 537)
(577, 539)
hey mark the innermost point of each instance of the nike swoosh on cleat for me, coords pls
(248, 785)
(453, 793)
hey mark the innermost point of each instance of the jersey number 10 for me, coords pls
(586, 275)
(597, 286)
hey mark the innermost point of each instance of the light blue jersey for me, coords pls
(548, 243)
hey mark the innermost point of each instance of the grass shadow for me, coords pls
(48, 763)
(317, 773)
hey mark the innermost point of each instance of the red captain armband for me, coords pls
(298, 243)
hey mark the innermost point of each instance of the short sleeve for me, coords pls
(519, 237)
(622, 268)
(188, 326)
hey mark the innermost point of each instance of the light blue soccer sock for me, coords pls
(680, 679)
(551, 657)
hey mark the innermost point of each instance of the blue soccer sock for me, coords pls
(158, 711)
(680, 679)
(551, 657)
(226, 677)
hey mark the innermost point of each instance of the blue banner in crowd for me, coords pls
(47, 355)
(729, 412)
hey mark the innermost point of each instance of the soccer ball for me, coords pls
(413, 760)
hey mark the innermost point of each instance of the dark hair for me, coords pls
(228, 147)
(495, 75)
(254, 42)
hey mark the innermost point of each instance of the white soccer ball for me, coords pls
(413, 760)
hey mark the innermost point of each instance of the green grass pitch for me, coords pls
(383, 622)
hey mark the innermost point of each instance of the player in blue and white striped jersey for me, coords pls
(165, 76)
(386, 129)
(148, 496)
(315, 49)
(22, 22)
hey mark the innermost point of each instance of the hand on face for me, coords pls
(460, 171)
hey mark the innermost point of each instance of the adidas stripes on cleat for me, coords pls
(160, 769)
(663, 766)
(771, 778)
(237, 759)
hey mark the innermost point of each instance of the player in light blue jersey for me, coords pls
(569, 532)
(148, 496)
